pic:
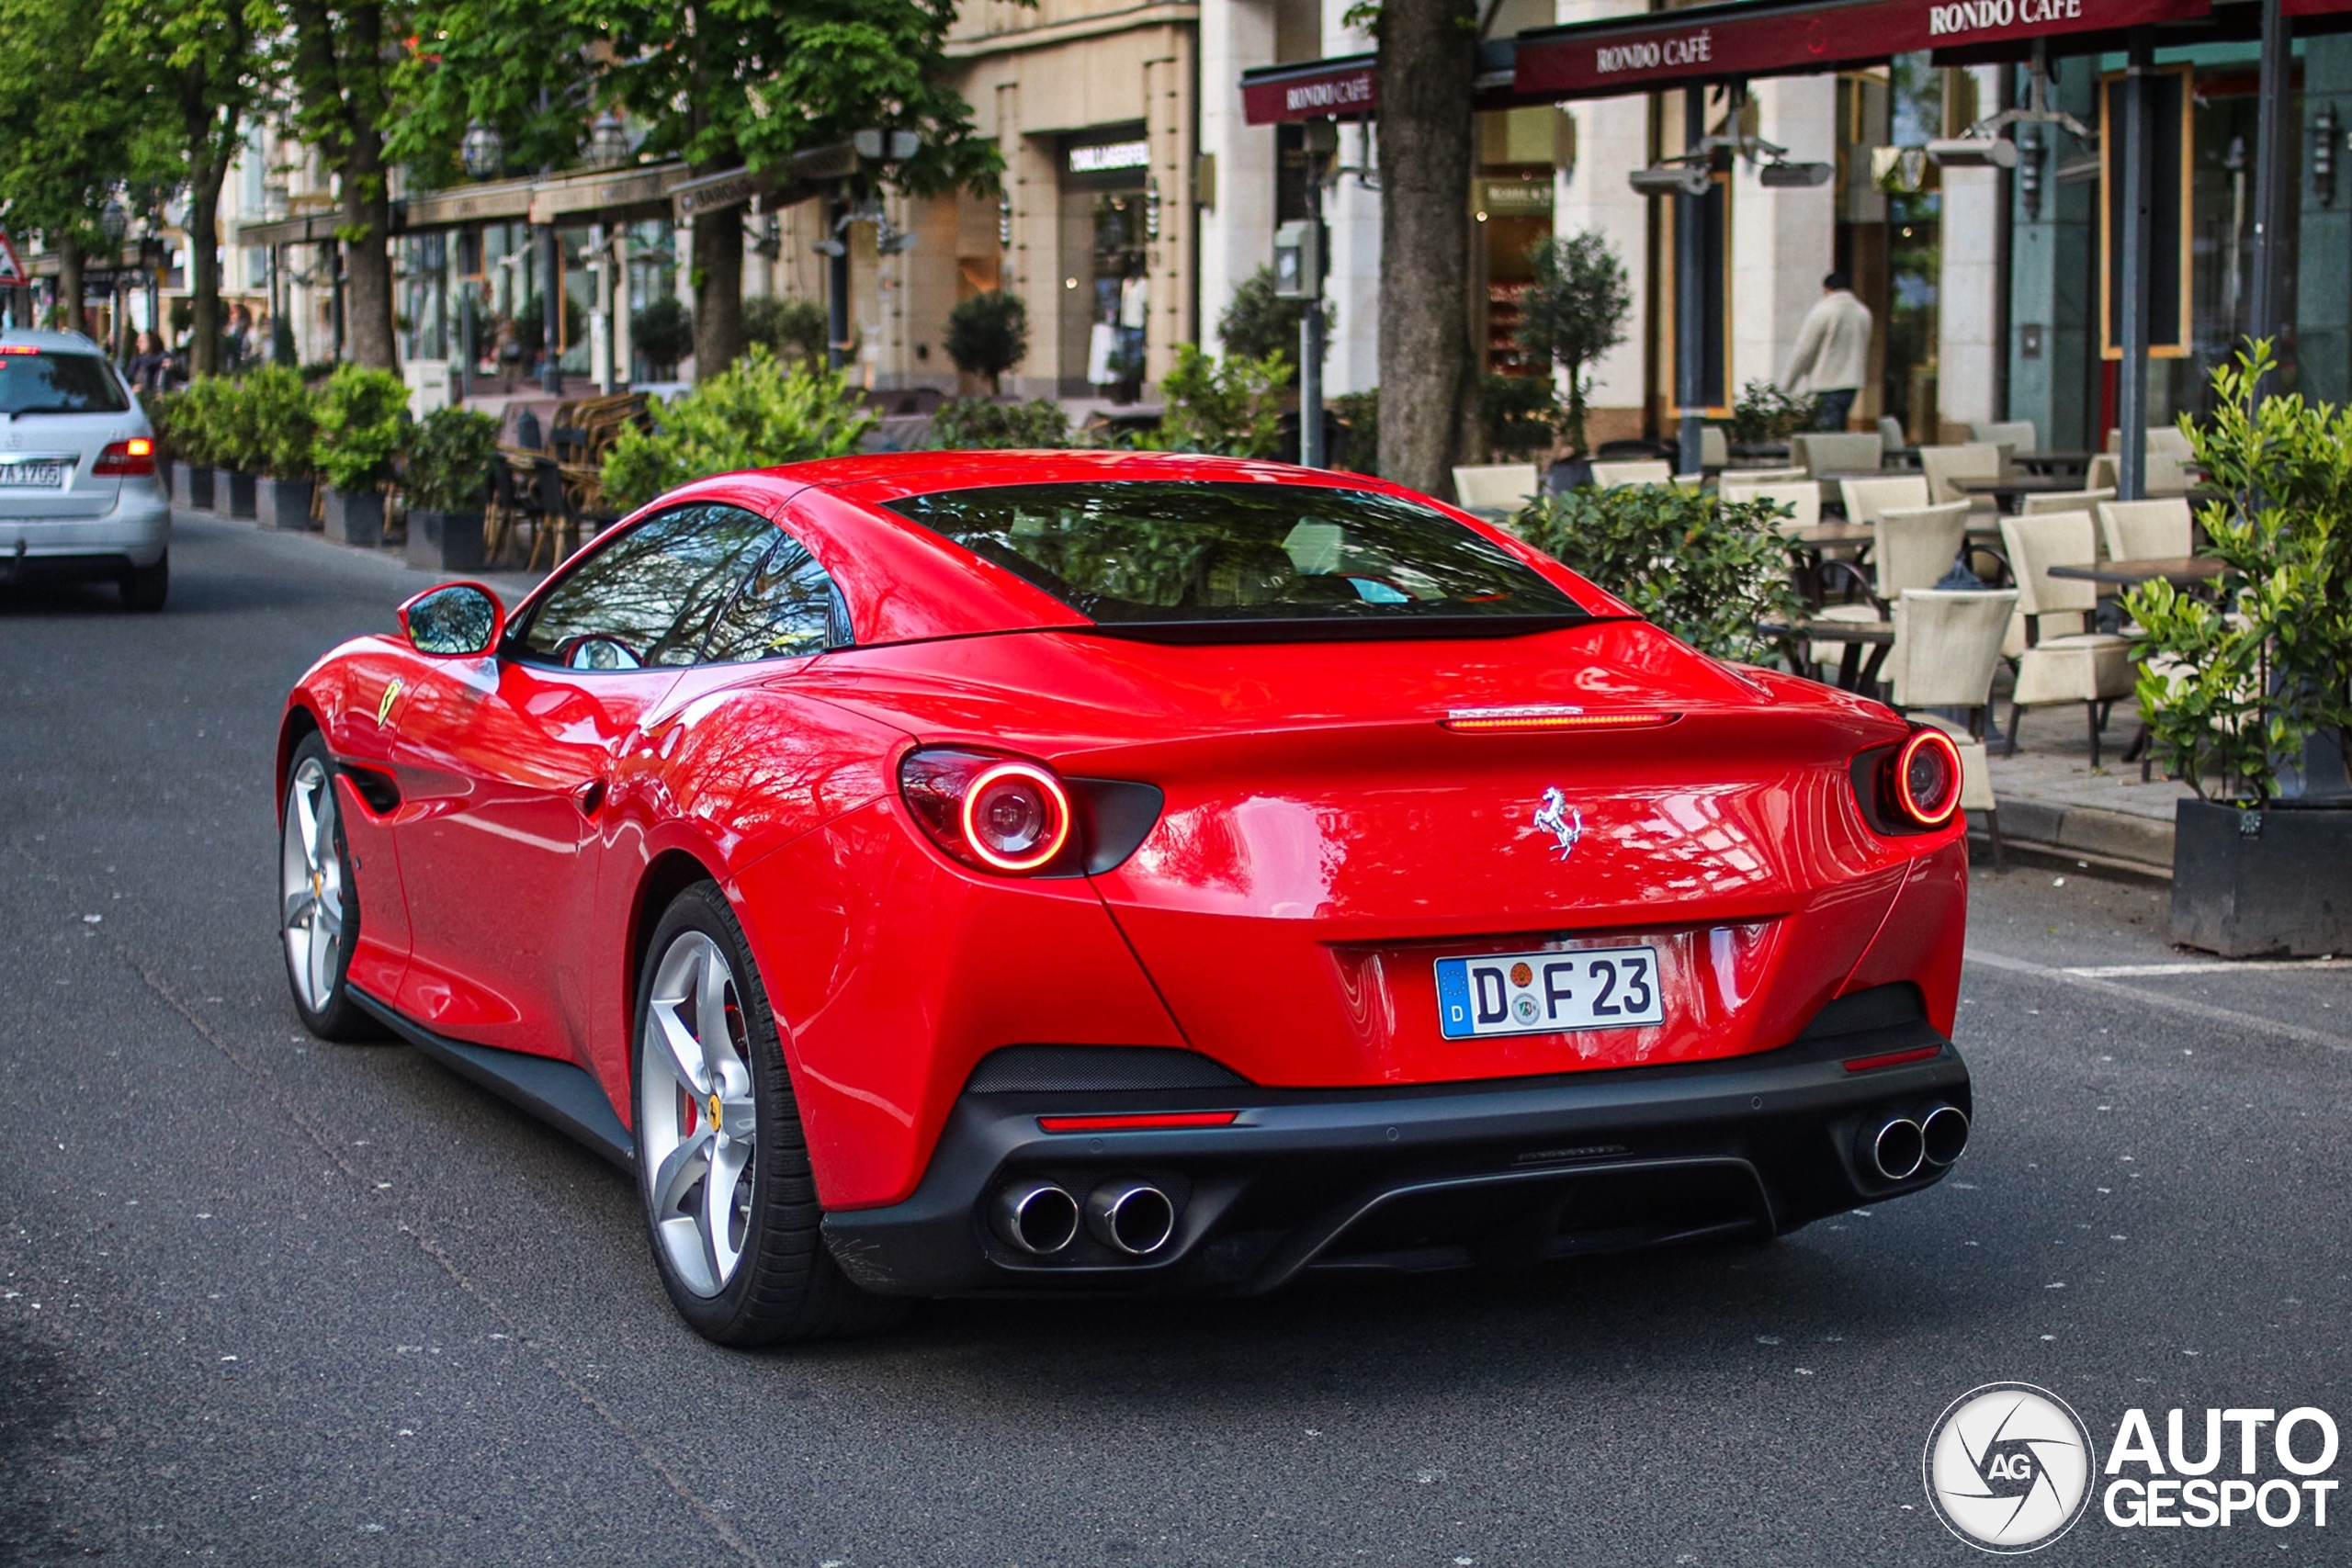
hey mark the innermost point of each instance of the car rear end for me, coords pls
(80, 495)
(1490, 935)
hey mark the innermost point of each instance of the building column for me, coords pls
(1351, 218)
(1237, 218)
(1968, 287)
(1170, 84)
(2324, 260)
(1783, 241)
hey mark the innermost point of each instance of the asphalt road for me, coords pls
(268, 1301)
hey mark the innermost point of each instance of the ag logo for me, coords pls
(2009, 1467)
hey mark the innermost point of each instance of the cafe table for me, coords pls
(1855, 674)
(2181, 572)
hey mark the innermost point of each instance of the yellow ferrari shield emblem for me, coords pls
(384, 703)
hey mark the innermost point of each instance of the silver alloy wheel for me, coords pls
(697, 1123)
(310, 886)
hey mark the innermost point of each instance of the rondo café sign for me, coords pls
(1593, 58)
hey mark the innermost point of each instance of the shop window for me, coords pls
(1106, 285)
(1511, 215)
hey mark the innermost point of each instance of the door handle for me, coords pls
(588, 797)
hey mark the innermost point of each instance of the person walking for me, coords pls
(1833, 352)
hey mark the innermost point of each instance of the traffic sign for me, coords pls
(12, 271)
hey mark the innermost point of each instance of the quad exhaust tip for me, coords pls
(1943, 1135)
(1132, 1217)
(1038, 1217)
(1895, 1150)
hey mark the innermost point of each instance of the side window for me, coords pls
(789, 607)
(648, 598)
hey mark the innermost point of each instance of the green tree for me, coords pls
(203, 74)
(1232, 406)
(343, 59)
(742, 82)
(987, 336)
(1574, 311)
(1259, 321)
(70, 123)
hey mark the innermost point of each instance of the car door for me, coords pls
(505, 763)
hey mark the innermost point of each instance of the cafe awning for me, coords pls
(798, 177)
(1346, 86)
(1777, 38)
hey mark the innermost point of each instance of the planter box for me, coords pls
(356, 517)
(233, 493)
(443, 541)
(2252, 884)
(284, 504)
(192, 486)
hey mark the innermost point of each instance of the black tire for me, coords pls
(323, 996)
(144, 588)
(784, 1285)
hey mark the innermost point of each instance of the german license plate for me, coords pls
(31, 476)
(1548, 992)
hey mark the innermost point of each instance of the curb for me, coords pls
(2119, 841)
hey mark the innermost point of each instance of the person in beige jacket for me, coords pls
(1833, 352)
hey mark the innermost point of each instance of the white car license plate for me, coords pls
(31, 476)
(1548, 992)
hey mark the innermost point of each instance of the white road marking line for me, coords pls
(2197, 966)
(2160, 1001)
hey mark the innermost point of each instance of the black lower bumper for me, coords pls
(1431, 1176)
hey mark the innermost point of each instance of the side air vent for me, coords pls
(382, 796)
(1880, 1007)
(1062, 1069)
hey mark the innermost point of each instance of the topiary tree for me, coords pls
(987, 336)
(448, 460)
(1259, 322)
(663, 332)
(1574, 311)
(754, 415)
(792, 326)
(284, 418)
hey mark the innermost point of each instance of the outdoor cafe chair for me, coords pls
(1947, 648)
(2158, 529)
(2164, 438)
(1656, 471)
(2062, 501)
(1865, 499)
(1715, 447)
(2086, 667)
(1495, 490)
(1802, 497)
(1914, 548)
(1946, 467)
(1826, 452)
(2016, 434)
(1890, 434)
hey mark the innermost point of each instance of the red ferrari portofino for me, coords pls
(955, 873)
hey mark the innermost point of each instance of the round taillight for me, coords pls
(1015, 817)
(1927, 778)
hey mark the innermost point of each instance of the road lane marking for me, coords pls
(2159, 1000)
(2208, 967)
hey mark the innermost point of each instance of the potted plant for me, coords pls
(286, 429)
(236, 447)
(2245, 685)
(1574, 311)
(448, 479)
(978, 423)
(1232, 406)
(363, 423)
(754, 415)
(1766, 416)
(190, 436)
(1711, 572)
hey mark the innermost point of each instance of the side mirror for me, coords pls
(454, 620)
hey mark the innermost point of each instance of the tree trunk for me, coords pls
(718, 290)
(69, 282)
(1428, 56)
(366, 201)
(204, 266)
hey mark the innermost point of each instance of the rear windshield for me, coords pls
(58, 383)
(1156, 557)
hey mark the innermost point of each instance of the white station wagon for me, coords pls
(79, 495)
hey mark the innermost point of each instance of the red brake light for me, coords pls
(1000, 814)
(1138, 1122)
(1922, 778)
(1529, 719)
(126, 458)
(17, 348)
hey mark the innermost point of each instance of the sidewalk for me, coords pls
(2052, 801)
